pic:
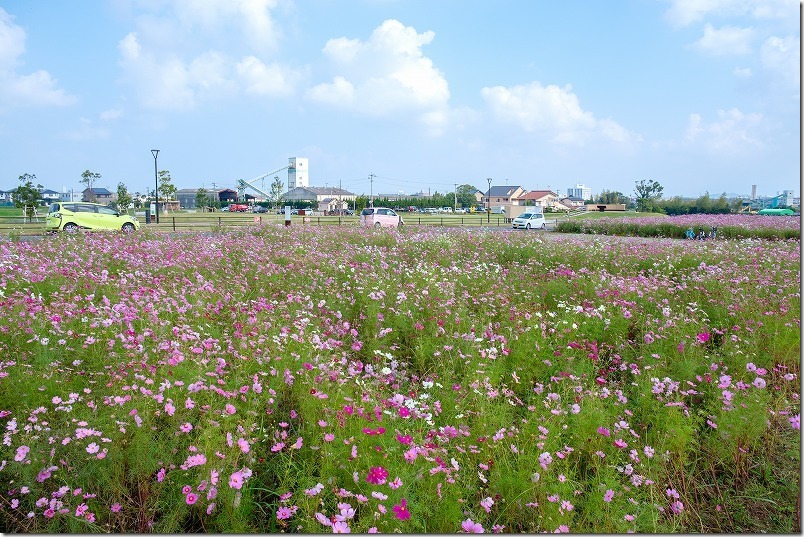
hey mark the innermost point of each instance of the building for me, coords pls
(97, 195)
(315, 194)
(580, 191)
(573, 202)
(504, 196)
(49, 196)
(542, 198)
(298, 173)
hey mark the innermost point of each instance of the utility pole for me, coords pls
(371, 178)
(455, 201)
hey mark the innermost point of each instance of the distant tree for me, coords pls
(202, 198)
(89, 178)
(124, 199)
(166, 187)
(276, 191)
(27, 196)
(608, 197)
(647, 194)
(466, 195)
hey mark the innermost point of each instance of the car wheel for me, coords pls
(544, 226)
(527, 226)
(128, 227)
(71, 228)
(377, 224)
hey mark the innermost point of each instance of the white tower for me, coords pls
(298, 172)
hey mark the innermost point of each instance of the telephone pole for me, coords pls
(371, 178)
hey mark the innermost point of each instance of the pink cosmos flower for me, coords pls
(620, 443)
(22, 452)
(396, 483)
(377, 475)
(284, 513)
(93, 448)
(341, 527)
(795, 422)
(603, 431)
(230, 409)
(608, 496)
(401, 510)
(236, 480)
(186, 427)
(470, 526)
(186, 489)
(703, 337)
(486, 504)
(191, 498)
(116, 507)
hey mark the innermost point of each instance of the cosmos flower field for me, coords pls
(324, 380)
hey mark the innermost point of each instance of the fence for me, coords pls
(21, 226)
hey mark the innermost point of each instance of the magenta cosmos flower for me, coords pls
(377, 475)
(401, 510)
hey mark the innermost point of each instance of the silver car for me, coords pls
(532, 220)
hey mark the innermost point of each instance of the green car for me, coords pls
(72, 216)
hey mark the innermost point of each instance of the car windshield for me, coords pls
(526, 216)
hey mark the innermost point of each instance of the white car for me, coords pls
(460, 210)
(529, 221)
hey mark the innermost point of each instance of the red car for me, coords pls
(238, 208)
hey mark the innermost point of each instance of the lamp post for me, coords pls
(155, 153)
(488, 210)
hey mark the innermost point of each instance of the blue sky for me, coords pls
(699, 95)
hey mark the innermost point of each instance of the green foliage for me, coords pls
(167, 189)
(647, 193)
(26, 195)
(124, 199)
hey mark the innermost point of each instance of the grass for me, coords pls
(181, 383)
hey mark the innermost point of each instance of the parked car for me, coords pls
(259, 209)
(532, 220)
(72, 216)
(225, 209)
(445, 210)
(380, 217)
(238, 207)
(460, 210)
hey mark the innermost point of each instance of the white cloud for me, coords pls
(725, 41)
(185, 53)
(783, 56)
(38, 88)
(267, 80)
(686, 12)
(385, 75)
(743, 72)
(86, 131)
(733, 133)
(111, 114)
(552, 111)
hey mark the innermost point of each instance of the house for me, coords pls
(6, 196)
(504, 196)
(573, 202)
(541, 198)
(332, 205)
(97, 195)
(49, 196)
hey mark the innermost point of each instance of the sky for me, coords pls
(404, 96)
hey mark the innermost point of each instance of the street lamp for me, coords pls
(488, 210)
(155, 152)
